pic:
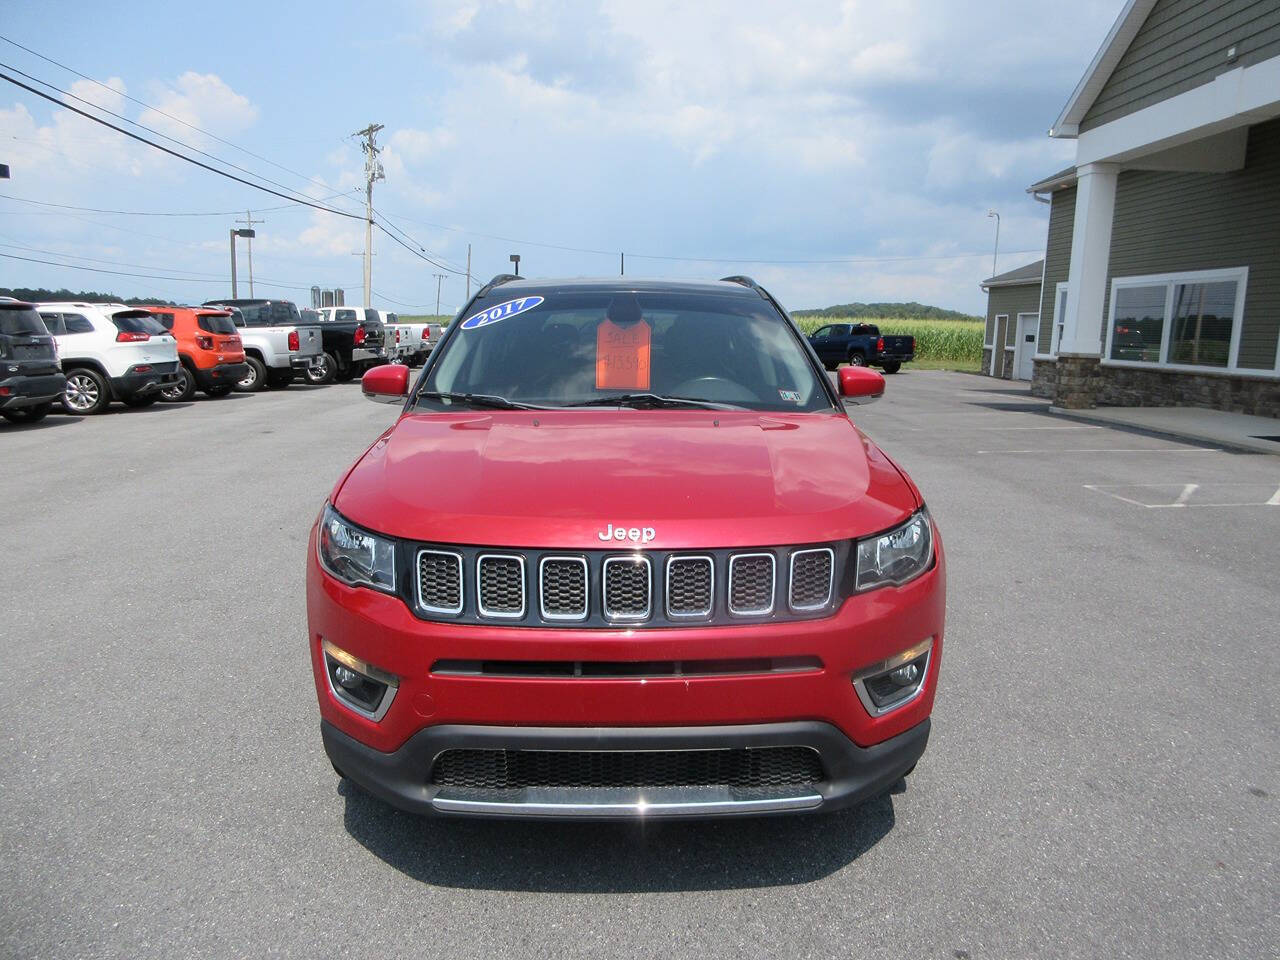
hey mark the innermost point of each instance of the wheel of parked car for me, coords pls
(255, 379)
(87, 392)
(218, 390)
(146, 401)
(892, 367)
(181, 391)
(279, 379)
(27, 414)
(857, 359)
(323, 369)
(346, 374)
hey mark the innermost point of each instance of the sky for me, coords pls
(835, 151)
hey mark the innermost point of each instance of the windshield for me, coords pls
(569, 349)
(21, 322)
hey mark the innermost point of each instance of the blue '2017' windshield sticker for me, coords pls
(500, 312)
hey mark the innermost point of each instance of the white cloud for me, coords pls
(199, 100)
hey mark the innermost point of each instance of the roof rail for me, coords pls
(746, 282)
(496, 282)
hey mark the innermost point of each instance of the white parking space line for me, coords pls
(1178, 496)
(1109, 450)
(1083, 426)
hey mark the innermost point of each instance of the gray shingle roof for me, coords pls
(1021, 276)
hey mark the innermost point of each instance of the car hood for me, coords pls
(560, 479)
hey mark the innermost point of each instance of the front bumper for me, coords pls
(137, 383)
(224, 374)
(403, 777)
(29, 391)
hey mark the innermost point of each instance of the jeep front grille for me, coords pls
(751, 584)
(811, 572)
(524, 769)
(501, 590)
(562, 589)
(628, 588)
(440, 581)
(690, 586)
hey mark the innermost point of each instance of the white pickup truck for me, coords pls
(415, 341)
(277, 345)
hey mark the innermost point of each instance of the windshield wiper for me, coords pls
(480, 400)
(654, 400)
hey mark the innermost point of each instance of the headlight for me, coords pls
(895, 557)
(356, 556)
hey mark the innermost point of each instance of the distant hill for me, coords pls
(40, 294)
(885, 311)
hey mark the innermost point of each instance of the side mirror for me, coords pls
(857, 384)
(388, 383)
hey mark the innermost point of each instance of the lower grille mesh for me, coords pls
(518, 769)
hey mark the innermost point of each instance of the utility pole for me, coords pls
(372, 172)
(439, 280)
(622, 264)
(248, 221)
(468, 273)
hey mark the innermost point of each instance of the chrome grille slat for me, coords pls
(811, 579)
(440, 581)
(751, 584)
(627, 588)
(500, 585)
(690, 586)
(562, 588)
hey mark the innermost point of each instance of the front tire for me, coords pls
(279, 379)
(139, 402)
(221, 390)
(255, 379)
(86, 393)
(322, 370)
(892, 367)
(183, 390)
(27, 414)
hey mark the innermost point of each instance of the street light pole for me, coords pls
(995, 253)
(248, 235)
(515, 258)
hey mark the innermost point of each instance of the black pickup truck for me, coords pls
(354, 340)
(862, 345)
(31, 379)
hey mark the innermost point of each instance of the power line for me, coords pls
(153, 213)
(197, 276)
(174, 153)
(162, 113)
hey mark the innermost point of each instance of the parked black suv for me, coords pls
(31, 380)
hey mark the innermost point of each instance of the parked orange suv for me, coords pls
(209, 348)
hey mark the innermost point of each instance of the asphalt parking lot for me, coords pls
(1103, 778)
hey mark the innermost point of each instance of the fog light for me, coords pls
(346, 677)
(357, 684)
(894, 682)
(905, 676)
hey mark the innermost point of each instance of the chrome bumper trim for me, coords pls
(622, 802)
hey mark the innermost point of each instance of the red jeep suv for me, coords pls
(624, 554)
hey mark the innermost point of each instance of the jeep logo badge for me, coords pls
(634, 534)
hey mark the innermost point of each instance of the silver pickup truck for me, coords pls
(278, 346)
(415, 341)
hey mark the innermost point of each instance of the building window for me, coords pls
(1185, 321)
(989, 333)
(1059, 318)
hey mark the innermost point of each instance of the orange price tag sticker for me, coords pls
(622, 356)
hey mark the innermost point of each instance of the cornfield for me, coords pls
(951, 341)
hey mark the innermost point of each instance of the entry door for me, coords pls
(1028, 330)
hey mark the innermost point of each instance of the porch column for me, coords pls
(1090, 254)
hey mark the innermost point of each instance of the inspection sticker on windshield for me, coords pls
(792, 395)
(500, 312)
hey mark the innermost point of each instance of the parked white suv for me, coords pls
(110, 352)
